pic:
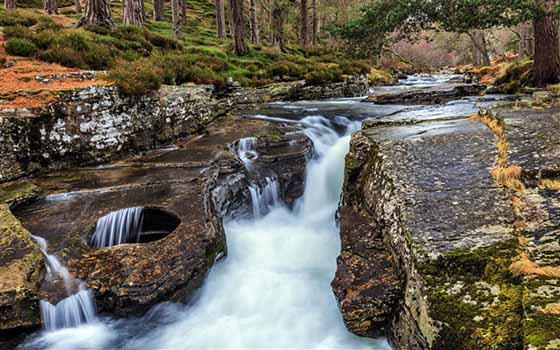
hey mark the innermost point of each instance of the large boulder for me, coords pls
(425, 95)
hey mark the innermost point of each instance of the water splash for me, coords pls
(247, 151)
(118, 227)
(73, 311)
(77, 309)
(265, 199)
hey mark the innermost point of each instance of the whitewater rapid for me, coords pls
(273, 289)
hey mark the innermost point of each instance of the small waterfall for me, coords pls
(263, 200)
(247, 151)
(72, 311)
(121, 226)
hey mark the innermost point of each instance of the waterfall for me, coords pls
(263, 200)
(247, 151)
(118, 227)
(74, 310)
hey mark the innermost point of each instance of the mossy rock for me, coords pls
(18, 192)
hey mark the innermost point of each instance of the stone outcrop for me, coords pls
(97, 124)
(447, 233)
(464, 212)
(425, 95)
(200, 181)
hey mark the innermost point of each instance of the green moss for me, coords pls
(477, 299)
(18, 192)
(540, 329)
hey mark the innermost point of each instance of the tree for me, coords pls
(51, 7)
(238, 26)
(278, 17)
(133, 12)
(546, 67)
(220, 19)
(78, 6)
(407, 17)
(526, 47)
(315, 23)
(254, 23)
(304, 35)
(184, 13)
(175, 17)
(159, 10)
(10, 5)
(98, 12)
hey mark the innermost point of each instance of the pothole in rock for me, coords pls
(133, 225)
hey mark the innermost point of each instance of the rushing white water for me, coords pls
(77, 309)
(247, 151)
(273, 290)
(72, 311)
(121, 226)
(265, 199)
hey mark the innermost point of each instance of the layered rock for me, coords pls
(97, 124)
(446, 227)
(425, 95)
(200, 181)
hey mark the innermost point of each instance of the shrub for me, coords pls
(65, 56)
(206, 51)
(355, 68)
(324, 75)
(18, 18)
(18, 31)
(99, 57)
(286, 68)
(74, 40)
(162, 41)
(136, 78)
(44, 39)
(20, 47)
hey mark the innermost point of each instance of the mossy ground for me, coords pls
(477, 299)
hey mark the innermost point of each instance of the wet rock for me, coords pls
(98, 124)
(446, 226)
(200, 181)
(21, 263)
(425, 95)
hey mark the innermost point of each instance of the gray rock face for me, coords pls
(425, 95)
(97, 124)
(427, 190)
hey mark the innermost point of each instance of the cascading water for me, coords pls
(118, 227)
(273, 290)
(77, 308)
(247, 151)
(265, 199)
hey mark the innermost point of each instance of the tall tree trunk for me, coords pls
(10, 5)
(159, 14)
(184, 13)
(526, 40)
(304, 35)
(278, 27)
(546, 66)
(315, 23)
(98, 12)
(133, 12)
(220, 19)
(480, 48)
(51, 7)
(238, 26)
(78, 6)
(254, 23)
(175, 16)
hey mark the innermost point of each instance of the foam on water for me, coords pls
(273, 290)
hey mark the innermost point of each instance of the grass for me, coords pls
(103, 49)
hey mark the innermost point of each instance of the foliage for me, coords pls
(286, 69)
(20, 47)
(324, 75)
(136, 78)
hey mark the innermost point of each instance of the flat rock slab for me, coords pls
(427, 185)
(425, 95)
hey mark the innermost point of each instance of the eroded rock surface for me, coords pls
(425, 95)
(445, 225)
(200, 180)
